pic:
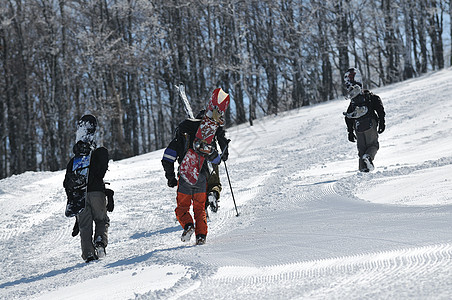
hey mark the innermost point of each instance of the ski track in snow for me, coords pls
(309, 225)
(379, 269)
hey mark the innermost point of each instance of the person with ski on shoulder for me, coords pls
(95, 203)
(188, 194)
(365, 119)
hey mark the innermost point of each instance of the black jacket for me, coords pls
(183, 140)
(97, 169)
(375, 108)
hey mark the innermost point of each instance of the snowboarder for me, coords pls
(365, 119)
(95, 202)
(187, 193)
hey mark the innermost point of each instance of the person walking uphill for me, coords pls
(365, 119)
(185, 143)
(95, 203)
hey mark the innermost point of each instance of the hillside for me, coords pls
(310, 225)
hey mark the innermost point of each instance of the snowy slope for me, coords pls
(310, 225)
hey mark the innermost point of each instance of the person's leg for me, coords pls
(199, 200)
(85, 222)
(362, 147)
(99, 212)
(200, 213)
(183, 209)
(372, 144)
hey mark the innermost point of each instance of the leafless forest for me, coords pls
(120, 60)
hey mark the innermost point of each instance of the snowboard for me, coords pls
(357, 113)
(76, 195)
(77, 180)
(194, 158)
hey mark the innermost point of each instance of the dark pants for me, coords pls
(95, 211)
(367, 143)
(213, 183)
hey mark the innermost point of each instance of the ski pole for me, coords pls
(230, 186)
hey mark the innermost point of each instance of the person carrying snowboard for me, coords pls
(188, 193)
(213, 179)
(365, 119)
(95, 203)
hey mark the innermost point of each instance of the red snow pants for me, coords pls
(188, 194)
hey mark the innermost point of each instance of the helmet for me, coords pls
(352, 77)
(353, 82)
(86, 127)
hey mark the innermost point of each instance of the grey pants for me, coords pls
(367, 143)
(95, 211)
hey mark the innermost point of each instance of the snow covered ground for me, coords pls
(310, 225)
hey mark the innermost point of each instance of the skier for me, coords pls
(95, 202)
(365, 119)
(187, 193)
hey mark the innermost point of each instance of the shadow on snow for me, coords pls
(162, 231)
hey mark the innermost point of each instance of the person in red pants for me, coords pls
(188, 194)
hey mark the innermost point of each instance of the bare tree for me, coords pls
(120, 60)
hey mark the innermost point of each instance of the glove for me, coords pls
(351, 137)
(172, 182)
(214, 157)
(110, 202)
(224, 155)
(381, 126)
(75, 230)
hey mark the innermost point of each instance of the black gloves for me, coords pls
(75, 230)
(351, 137)
(172, 182)
(225, 151)
(225, 155)
(171, 177)
(110, 202)
(381, 126)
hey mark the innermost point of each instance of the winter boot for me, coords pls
(200, 239)
(101, 253)
(368, 162)
(189, 229)
(90, 257)
(100, 248)
(213, 201)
